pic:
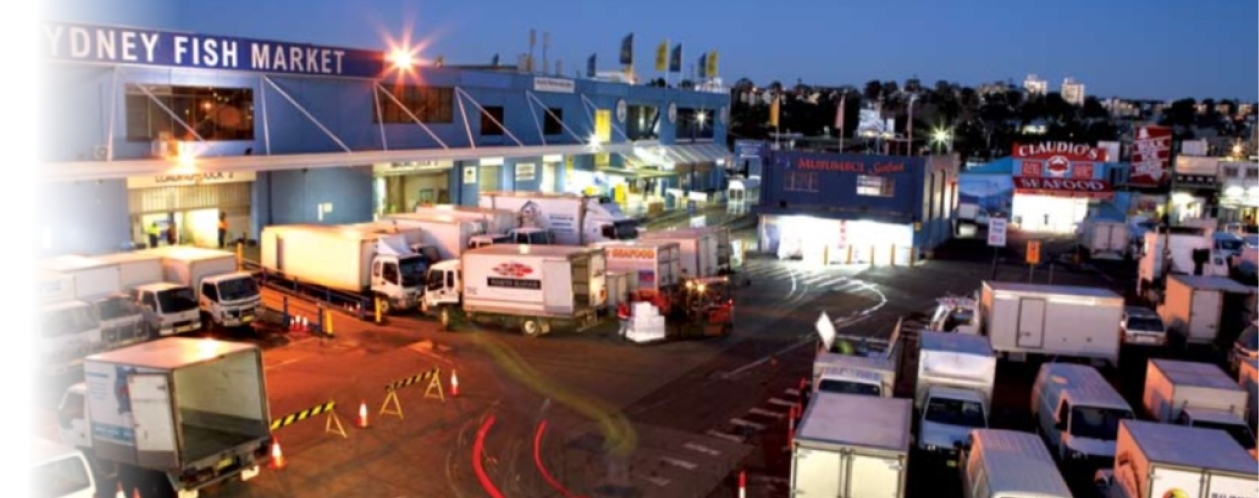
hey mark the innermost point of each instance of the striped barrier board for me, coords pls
(412, 379)
(314, 411)
(392, 406)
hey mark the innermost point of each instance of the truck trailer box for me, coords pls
(1154, 460)
(1006, 463)
(178, 404)
(330, 256)
(853, 446)
(1058, 320)
(1107, 239)
(52, 287)
(495, 221)
(189, 265)
(573, 219)
(1248, 378)
(450, 235)
(652, 264)
(92, 278)
(1172, 386)
(698, 251)
(541, 281)
(954, 360)
(135, 268)
(1193, 307)
(1179, 247)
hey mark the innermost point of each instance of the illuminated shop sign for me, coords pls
(114, 45)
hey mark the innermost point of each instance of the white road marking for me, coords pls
(282, 363)
(780, 402)
(679, 463)
(702, 449)
(767, 413)
(792, 391)
(746, 423)
(727, 437)
(658, 481)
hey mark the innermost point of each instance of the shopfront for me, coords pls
(1195, 188)
(824, 241)
(191, 205)
(1054, 183)
(1239, 192)
(400, 187)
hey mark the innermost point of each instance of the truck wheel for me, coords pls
(531, 327)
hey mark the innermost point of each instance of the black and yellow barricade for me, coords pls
(332, 425)
(391, 406)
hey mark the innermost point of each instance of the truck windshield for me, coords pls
(848, 387)
(957, 412)
(62, 477)
(412, 269)
(1145, 324)
(238, 288)
(1097, 423)
(625, 230)
(176, 300)
(115, 308)
(429, 253)
(67, 322)
(1240, 433)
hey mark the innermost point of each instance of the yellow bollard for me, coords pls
(240, 256)
(328, 323)
(873, 252)
(379, 318)
(849, 262)
(913, 257)
(892, 260)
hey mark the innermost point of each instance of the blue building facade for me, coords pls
(144, 134)
(850, 208)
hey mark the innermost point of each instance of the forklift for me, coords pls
(701, 307)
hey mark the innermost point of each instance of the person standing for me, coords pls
(623, 315)
(172, 236)
(222, 229)
(154, 233)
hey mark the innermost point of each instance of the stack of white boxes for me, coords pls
(646, 323)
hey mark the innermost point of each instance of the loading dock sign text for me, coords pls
(115, 45)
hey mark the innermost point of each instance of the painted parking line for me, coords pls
(702, 449)
(780, 402)
(747, 423)
(679, 463)
(727, 437)
(766, 413)
(792, 391)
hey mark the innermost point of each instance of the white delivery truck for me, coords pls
(699, 251)
(573, 219)
(365, 263)
(1193, 307)
(66, 329)
(98, 283)
(226, 296)
(1052, 320)
(1165, 254)
(652, 266)
(1168, 461)
(59, 471)
(1105, 239)
(856, 363)
(1248, 378)
(1197, 395)
(168, 308)
(998, 463)
(529, 286)
(495, 221)
(178, 413)
(852, 446)
(953, 392)
(1077, 412)
(448, 235)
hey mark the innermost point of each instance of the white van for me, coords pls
(1078, 413)
(1002, 463)
(60, 471)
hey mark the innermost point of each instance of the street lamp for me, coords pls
(942, 137)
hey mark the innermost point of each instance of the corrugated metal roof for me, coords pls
(1189, 446)
(850, 419)
(1189, 373)
(1018, 462)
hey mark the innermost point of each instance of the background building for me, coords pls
(1073, 92)
(1034, 85)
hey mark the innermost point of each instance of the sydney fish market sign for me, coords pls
(147, 47)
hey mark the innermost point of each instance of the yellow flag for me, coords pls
(711, 70)
(773, 112)
(662, 56)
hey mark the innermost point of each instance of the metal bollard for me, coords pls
(892, 261)
(327, 324)
(379, 314)
(284, 318)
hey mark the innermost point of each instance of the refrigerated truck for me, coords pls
(363, 262)
(1052, 320)
(178, 413)
(1154, 460)
(448, 235)
(1105, 239)
(652, 266)
(496, 221)
(1194, 307)
(226, 296)
(533, 287)
(699, 251)
(66, 329)
(1000, 463)
(115, 320)
(1197, 395)
(852, 445)
(953, 391)
(169, 308)
(725, 249)
(571, 218)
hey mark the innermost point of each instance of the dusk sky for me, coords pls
(1160, 49)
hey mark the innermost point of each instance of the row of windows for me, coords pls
(228, 113)
(867, 185)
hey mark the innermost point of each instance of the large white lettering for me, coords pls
(229, 53)
(260, 56)
(80, 43)
(280, 63)
(295, 58)
(211, 52)
(129, 46)
(53, 33)
(106, 46)
(150, 45)
(181, 48)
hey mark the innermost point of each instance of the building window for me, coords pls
(801, 181)
(1231, 172)
(553, 123)
(874, 186)
(694, 124)
(489, 127)
(429, 104)
(1252, 173)
(642, 122)
(215, 113)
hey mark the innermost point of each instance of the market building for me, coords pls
(1055, 183)
(1239, 192)
(172, 128)
(852, 208)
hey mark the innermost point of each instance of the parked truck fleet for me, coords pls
(852, 445)
(1197, 395)
(1052, 320)
(953, 392)
(226, 296)
(1155, 460)
(572, 219)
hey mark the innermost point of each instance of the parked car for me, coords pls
(1142, 326)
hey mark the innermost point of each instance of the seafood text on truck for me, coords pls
(226, 296)
(178, 413)
(363, 261)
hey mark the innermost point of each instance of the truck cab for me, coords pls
(957, 314)
(168, 308)
(948, 416)
(121, 321)
(1078, 413)
(531, 235)
(443, 287)
(953, 391)
(230, 299)
(1223, 420)
(844, 374)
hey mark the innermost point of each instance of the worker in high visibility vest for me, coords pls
(222, 230)
(154, 233)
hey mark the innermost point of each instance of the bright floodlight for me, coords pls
(702, 117)
(401, 59)
(940, 135)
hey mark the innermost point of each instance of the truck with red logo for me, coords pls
(534, 287)
(653, 266)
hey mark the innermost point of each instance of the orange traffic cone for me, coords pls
(362, 415)
(277, 457)
(454, 384)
